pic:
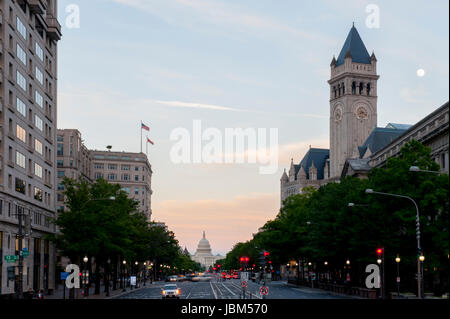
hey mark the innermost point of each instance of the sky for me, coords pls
(256, 64)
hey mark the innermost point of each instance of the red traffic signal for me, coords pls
(270, 261)
(214, 268)
(266, 254)
(218, 266)
(242, 259)
(380, 251)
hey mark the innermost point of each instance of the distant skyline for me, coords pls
(248, 64)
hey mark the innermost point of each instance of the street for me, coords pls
(231, 289)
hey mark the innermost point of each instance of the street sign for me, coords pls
(244, 276)
(133, 280)
(64, 275)
(11, 258)
(264, 290)
(244, 284)
(398, 279)
(25, 253)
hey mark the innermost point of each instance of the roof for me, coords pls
(317, 155)
(379, 138)
(359, 164)
(356, 47)
(399, 126)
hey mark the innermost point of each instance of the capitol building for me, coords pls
(204, 255)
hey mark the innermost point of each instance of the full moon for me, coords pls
(420, 72)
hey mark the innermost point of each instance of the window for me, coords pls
(39, 76)
(126, 158)
(38, 194)
(98, 175)
(60, 197)
(113, 157)
(112, 177)
(38, 146)
(38, 122)
(125, 189)
(112, 166)
(21, 54)
(60, 138)
(61, 174)
(39, 51)
(21, 133)
(39, 99)
(136, 191)
(126, 167)
(99, 157)
(143, 190)
(20, 185)
(60, 187)
(21, 28)
(60, 149)
(21, 107)
(21, 81)
(38, 170)
(99, 165)
(20, 159)
(136, 168)
(136, 178)
(125, 177)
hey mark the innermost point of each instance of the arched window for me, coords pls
(368, 88)
(339, 89)
(353, 87)
(335, 92)
(361, 87)
(343, 89)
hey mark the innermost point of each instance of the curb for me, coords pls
(128, 292)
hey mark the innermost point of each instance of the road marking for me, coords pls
(215, 295)
(259, 297)
(228, 289)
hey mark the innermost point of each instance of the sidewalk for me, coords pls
(59, 293)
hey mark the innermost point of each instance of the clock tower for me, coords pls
(353, 101)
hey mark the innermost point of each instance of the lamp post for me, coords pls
(419, 249)
(107, 277)
(124, 262)
(421, 260)
(85, 276)
(397, 260)
(417, 169)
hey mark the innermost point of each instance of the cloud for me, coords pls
(197, 105)
(222, 14)
(226, 222)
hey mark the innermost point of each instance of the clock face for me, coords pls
(338, 114)
(361, 113)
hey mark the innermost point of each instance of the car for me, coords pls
(188, 277)
(235, 275)
(181, 278)
(170, 291)
(172, 278)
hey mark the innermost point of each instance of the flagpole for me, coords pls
(141, 136)
(146, 147)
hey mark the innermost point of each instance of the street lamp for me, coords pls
(417, 169)
(419, 249)
(124, 262)
(347, 262)
(85, 277)
(397, 260)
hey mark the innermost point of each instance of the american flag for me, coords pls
(144, 127)
(150, 141)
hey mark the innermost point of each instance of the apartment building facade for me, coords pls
(131, 170)
(73, 160)
(29, 32)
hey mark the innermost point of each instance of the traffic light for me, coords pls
(266, 253)
(380, 252)
(262, 258)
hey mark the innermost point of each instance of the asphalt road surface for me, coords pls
(231, 289)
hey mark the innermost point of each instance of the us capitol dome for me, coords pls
(204, 255)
